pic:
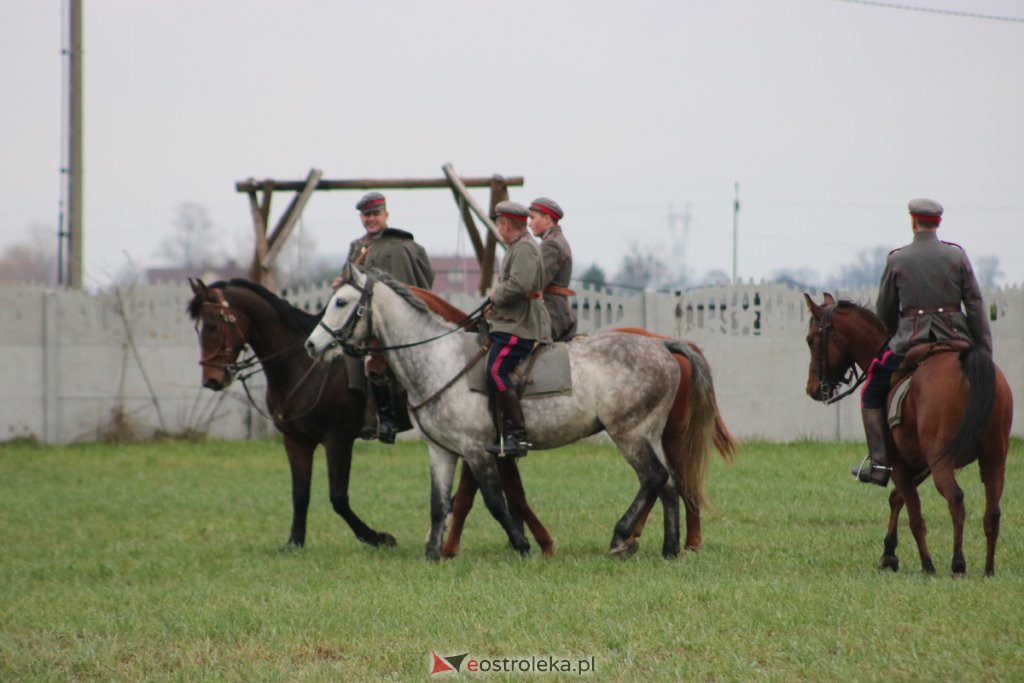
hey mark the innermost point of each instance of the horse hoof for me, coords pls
(432, 556)
(290, 546)
(448, 553)
(386, 540)
(670, 554)
(889, 562)
(692, 548)
(624, 549)
(548, 550)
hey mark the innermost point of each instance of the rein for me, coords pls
(363, 308)
(234, 369)
(824, 331)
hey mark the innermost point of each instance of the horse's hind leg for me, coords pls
(653, 476)
(918, 527)
(993, 475)
(670, 507)
(338, 449)
(945, 482)
(521, 511)
(693, 537)
(889, 559)
(462, 503)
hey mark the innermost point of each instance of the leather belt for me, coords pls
(560, 291)
(534, 294)
(913, 312)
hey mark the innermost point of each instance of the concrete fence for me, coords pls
(86, 367)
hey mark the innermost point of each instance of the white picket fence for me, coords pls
(76, 369)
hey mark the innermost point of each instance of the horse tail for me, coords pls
(980, 373)
(689, 437)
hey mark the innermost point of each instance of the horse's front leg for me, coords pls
(338, 448)
(442, 472)
(889, 559)
(515, 494)
(485, 471)
(300, 461)
(462, 503)
(917, 526)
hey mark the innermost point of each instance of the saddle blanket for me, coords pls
(549, 374)
(896, 401)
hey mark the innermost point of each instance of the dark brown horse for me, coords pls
(682, 450)
(958, 410)
(309, 403)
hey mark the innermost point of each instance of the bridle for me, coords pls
(223, 356)
(827, 389)
(363, 310)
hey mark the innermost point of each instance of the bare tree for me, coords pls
(33, 261)
(640, 270)
(988, 272)
(192, 244)
(866, 271)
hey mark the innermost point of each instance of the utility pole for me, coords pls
(735, 230)
(75, 231)
(679, 243)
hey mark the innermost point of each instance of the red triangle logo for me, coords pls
(440, 665)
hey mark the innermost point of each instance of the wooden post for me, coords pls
(499, 193)
(268, 247)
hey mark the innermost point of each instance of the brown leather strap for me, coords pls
(912, 312)
(561, 291)
(534, 294)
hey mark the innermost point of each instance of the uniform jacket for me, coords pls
(522, 272)
(921, 277)
(557, 257)
(396, 253)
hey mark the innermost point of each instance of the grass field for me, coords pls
(162, 561)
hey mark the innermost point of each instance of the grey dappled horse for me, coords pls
(623, 384)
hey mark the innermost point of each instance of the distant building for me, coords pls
(455, 274)
(229, 269)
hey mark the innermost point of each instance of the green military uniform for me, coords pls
(557, 256)
(396, 253)
(518, 307)
(920, 294)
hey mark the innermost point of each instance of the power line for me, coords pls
(930, 10)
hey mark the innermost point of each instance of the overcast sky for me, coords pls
(829, 114)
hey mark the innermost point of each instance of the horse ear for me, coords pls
(814, 308)
(357, 275)
(198, 288)
(829, 301)
(346, 272)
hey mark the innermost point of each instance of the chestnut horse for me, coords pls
(958, 409)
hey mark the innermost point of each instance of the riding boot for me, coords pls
(875, 428)
(387, 428)
(511, 442)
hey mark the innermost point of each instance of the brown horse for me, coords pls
(958, 409)
(310, 403)
(684, 450)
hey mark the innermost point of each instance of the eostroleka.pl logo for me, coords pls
(526, 665)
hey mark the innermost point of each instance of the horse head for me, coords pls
(831, 357)
(222, 333)
(345, 323)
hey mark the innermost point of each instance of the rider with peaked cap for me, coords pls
(554, 248)
(922, 288)
(395, 252)
(519, 321)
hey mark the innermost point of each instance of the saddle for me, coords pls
(903, 375)
(545, 372)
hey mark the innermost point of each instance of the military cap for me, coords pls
(371, 201)
(925, 209)
(548, 206)
(512, 211)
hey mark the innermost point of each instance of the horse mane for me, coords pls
(293, 318)
(401, 290)
(864, 311)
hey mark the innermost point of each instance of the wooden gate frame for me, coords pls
(269, 246)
